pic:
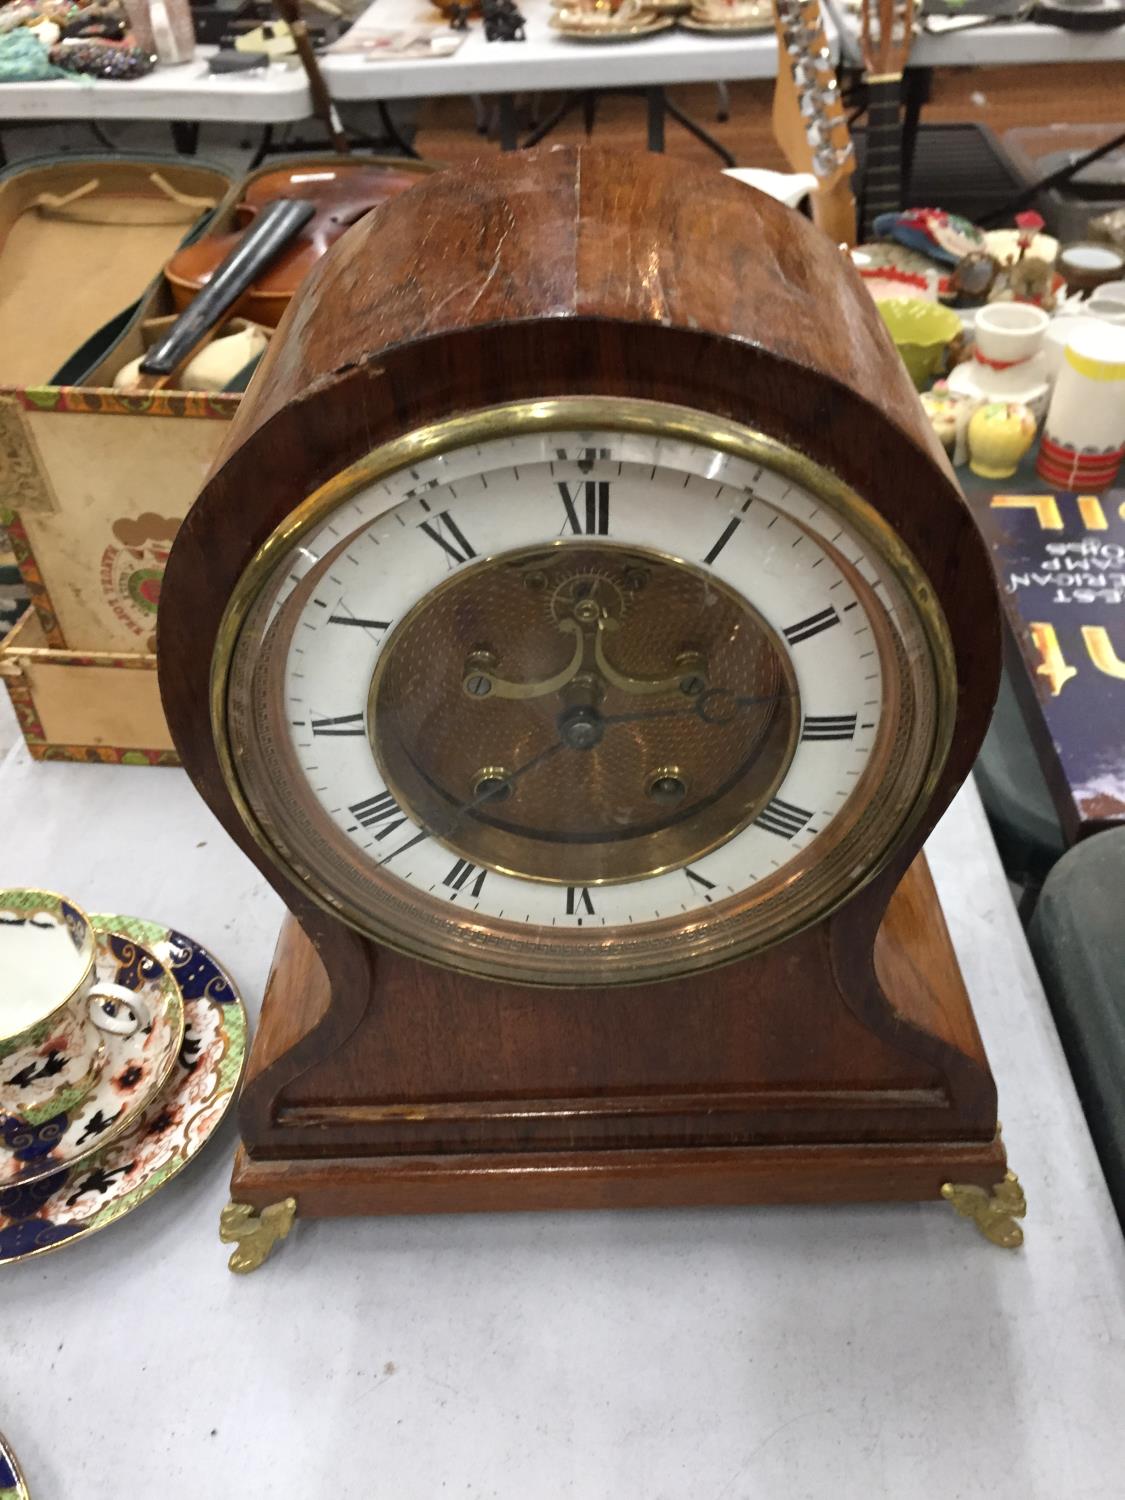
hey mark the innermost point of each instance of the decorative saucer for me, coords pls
(81, 1199)
(134, 1068)
(12, 1483)
(647, 25)
(1026, 383)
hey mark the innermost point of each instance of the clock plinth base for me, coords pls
(725, 1176)
(391, 1119)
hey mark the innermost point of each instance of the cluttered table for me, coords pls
(733, 1353)
(280, 94)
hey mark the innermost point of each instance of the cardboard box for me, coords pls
(94, 482)
(84, 705)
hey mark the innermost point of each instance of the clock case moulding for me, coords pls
(843, 1063)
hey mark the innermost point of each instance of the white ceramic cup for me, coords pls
(54, 1012)
(1084, 435)
(1010, 332)
(1109, 309)
(1060, 333)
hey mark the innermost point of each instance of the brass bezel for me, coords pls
(614, 414)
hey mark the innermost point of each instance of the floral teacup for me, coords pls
(54, 1013)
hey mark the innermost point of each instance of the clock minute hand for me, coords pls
(467, 807)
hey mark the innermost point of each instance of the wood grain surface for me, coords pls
(540, 275)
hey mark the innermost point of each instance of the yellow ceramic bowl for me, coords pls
(922, 331)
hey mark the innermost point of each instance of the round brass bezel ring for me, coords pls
(614, 958)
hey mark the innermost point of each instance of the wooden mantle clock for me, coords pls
(582, 631)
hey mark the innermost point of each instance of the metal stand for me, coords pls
(658, 106)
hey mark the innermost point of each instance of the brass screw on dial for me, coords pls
(492, 782)
(666, 785)
(479, 666)
(694, 680)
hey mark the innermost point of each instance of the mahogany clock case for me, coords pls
(843, 1062)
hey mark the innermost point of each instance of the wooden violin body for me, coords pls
(341, 193)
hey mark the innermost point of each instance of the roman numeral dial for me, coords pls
(577, 698)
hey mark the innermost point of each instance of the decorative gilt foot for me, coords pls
(994, 1211)
(255, 1234)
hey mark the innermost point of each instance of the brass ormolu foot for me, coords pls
(994, 1211)
(255, 1234)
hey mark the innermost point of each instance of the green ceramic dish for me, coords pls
(922, 332)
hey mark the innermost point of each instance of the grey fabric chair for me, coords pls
(1077, 936)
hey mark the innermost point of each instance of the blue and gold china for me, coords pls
(56, 1012)
(77, 1201)
(137, 1059)
(12, 1483)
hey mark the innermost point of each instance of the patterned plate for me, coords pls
(135, 1068)
(743, 25)
(611, 32)
(181, 1119)
(12, 1484)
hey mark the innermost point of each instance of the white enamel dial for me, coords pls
(410, 738)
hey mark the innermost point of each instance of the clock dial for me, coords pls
(601, 702)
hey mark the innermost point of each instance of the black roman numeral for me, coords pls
(362, 624)
(344, 724)
(829, 727)
(585, 459)
(578, 900)
(594, 520)
(700, 880)
(455, 544)
(375, 810)
(782, 818)
(803, 629)
(461, 873)
(732, 527)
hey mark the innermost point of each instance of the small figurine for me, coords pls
(950, 413)
(942, 236)
(973, 275)
(1000, 433)
(503, 22)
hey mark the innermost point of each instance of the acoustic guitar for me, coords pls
(808, 116)
(886, 35)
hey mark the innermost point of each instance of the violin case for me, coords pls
(94, 482)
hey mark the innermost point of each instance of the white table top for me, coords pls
(273, 96)
(1005, 44)
(545, 60)
(1014, 43)
(829, 1353)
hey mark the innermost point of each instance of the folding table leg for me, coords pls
(656, 107)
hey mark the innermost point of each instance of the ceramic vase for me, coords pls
(1000, 433)
(1084, 435)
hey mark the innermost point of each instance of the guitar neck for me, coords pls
(833, 211)
(882, 170)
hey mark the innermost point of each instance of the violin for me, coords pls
(341, 192)
(285, 222)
